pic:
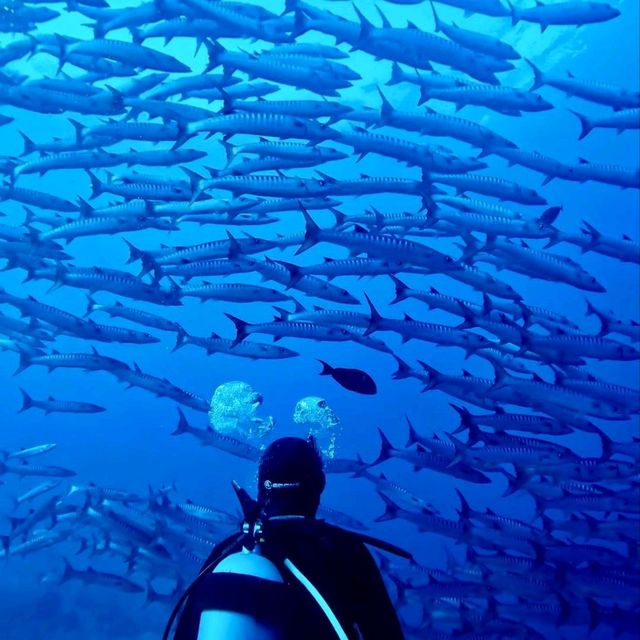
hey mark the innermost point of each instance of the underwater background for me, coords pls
(130, 447)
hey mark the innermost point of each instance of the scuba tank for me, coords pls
(234, 625)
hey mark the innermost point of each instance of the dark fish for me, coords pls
(351, 379)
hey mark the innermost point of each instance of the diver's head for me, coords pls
(290, 478)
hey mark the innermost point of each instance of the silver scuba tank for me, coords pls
(232, 625)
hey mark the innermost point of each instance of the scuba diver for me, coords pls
(287, 574)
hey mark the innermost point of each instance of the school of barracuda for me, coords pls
(129, 104)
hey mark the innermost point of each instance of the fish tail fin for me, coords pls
(27, 401)
(538, 77)
(86, 210)
(466, 419)
(183, 424)
(149, 265)
(96, 185)
(413, 437)
(62, 53)
(391, 509)
(134, 252)
(300, 23)
(427, 191)
(403, 371)
(194, 182)
(181, 337)
(396, 75)
(364, 467)
(386, 110)
(586, 127)
(374, 318)
(549, 216)
(214, 51)
(68, 572)
(24, 363)
(437, 24)
(604, 323)
(386, 448)
(366, 27)
(460, 447)
(401, 289)
(590, 230)
(606, 443)
(241, 328)
(465, 509)
(434, 375)
(91, 306)
(29, 144)
(137, 36)
(327, 369)
(311, 231)
(518, 481)
(228, 151)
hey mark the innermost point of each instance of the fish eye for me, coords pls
(322, 404)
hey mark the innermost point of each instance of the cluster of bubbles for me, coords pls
(234, 411)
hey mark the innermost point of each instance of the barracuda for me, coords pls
(541, 395)
(423, 458)
(160, 386)
(233, 292)
(127, 52)
(284, 70)
(380, 245)
(105, 225)
(36, 199)
(119, 310)
(290, 276)
(51, 405)
(291, 150)
(246, 166)
(428, 158)
(212, 438)
(261, 124)
(582, 345)
(262, 26)
(298, 108)
(502, 421)
(481, 42)
(87, 361)
(620, 121)
(563, 13)
(437, 124)
(113, 280)
(410, 329)
(491, 186)
(253, 350)
(505, 100)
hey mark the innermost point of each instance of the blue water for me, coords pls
(130, 447)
